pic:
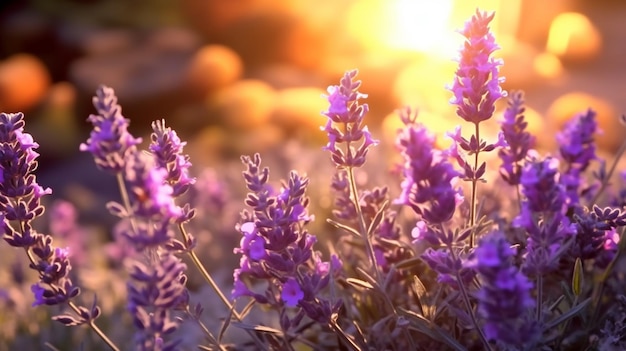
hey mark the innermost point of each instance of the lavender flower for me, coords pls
(476, 85)
(543, 216)
(428, 176)
(594, 230)
(577, 149)
(20, 205)
(110, 143)
(156, 288)
(345, 119)
(157, 280)
(168, 151)
(504, 298)
(518, 140)
(276, 247)
(152, 209)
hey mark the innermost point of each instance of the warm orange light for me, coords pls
(423, 25)
(573, 36)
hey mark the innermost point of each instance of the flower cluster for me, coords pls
(156, 289)
(550, 278)
(504, 297)
(157, 279)
(518, 140)
(276, 248)
(20, 205)
(428, 185)
(110, 143)
(345, 118)
(577, 150)
(543, 217)
(476, 84)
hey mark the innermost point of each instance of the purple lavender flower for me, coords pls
(476, 85)
(344, 126)
(153, 208)
(110, 143)
(428, 176)
(155, 290)
(504, 298)
(577, 149)
(518, 140)
(20, 205)
(542, 216)
(277, 248)
(594, 227)
(168, 151)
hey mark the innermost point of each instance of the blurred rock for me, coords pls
(148, 79)
(57, 131)
(211, 68)
(24, 81)
(569, 105)
(244, 105)
(298, 111)
(282, 76)
(274, 36)
(212, 17)
(574, 38)
(98, 42)
(172, 39)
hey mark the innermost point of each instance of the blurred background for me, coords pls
(240, 76)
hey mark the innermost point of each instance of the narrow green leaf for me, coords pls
(419, 288)
(377, 219)
(358, 283)
(368, 277)
(577, 277)
(424, 326)
(409, 263)
(259, 328)
(569, 314)
(344, 227)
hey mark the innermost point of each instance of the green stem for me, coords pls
(209, 279)
(206, 331)
(205, 274)
(468, 304)
(474, 186)
(126, 200)
(362, 226)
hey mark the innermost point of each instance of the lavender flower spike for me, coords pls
(168, 151)
(476, 86)
(109, 141)
(428, 176)
(518, 140)
(543, 217)
(577, 149)
(345, 110)
(504, 298)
